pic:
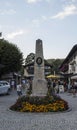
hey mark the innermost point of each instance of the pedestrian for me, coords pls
(12, 83)
(19, 89)
(74, 89)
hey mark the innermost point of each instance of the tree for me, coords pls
(10, 56)
(56, 64)
(30, 58)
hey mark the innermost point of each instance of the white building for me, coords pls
(69, 65)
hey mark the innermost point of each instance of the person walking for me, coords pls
(19, 89)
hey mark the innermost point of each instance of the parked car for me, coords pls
(4, 87)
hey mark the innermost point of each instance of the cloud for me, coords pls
(69, 1)
(7, 12)
(35, 1)
(32, 1)
(67, 11)
(14, 34)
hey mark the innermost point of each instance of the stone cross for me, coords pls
(39, 86)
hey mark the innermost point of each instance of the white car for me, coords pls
(4, 87)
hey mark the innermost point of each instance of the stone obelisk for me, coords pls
(39, 86)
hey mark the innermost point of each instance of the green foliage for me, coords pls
(38, 100)
(10, 57)
(40, 104)
(30, 58)
(56, 64)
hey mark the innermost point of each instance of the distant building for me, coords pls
(29, 69)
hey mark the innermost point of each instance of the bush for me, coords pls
(40, 104)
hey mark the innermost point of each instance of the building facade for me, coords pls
(29, 69)
(69, 66)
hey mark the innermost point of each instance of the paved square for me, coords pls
(10, 120)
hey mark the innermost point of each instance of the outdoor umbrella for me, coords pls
(53, 76)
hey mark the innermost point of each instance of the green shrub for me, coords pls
(38, 104)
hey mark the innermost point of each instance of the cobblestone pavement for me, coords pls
(10, 120)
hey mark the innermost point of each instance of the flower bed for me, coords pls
(40, 104)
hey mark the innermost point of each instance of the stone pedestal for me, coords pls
(39, 86)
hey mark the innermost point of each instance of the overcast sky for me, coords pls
(22, 22)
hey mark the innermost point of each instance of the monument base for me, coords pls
(39, 87)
